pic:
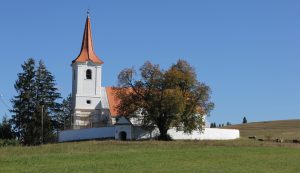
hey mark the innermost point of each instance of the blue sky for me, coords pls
(248, 52)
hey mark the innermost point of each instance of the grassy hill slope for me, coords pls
(286, 129)
(236, 156)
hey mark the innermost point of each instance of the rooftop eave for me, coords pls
(85, 62)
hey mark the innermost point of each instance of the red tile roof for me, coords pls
(113, 101)
(87, 51)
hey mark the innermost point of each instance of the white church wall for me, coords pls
(86, 92)
(141, 134)
(138, 133)
(86, 134)
(82, 102)
(98, 77)
(207, 134)
(104, 99)
(88, 87)
(123, 128)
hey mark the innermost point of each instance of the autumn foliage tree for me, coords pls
(164, 98)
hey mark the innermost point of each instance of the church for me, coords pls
(93, 105)
(94, 113)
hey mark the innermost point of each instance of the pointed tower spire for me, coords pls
(87, 49)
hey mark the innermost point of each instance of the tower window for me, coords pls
(88, 102)
(88, 74)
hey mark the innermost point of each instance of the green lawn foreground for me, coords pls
(240, 156)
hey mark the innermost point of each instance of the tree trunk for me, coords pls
(163, 130)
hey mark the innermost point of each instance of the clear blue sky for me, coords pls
(248, 52)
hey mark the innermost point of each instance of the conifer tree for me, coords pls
(63, 117)
(35, 104)
(6, 129)
(46, 102)
(23, 103)
(245, 120)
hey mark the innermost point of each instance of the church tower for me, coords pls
(86, 85)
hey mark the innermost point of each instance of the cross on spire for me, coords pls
(88, 12)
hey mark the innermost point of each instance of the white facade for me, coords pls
(88, 110)
(137, 133)
(86, 89)
(86, 134)
(207, 134)
(122, 130)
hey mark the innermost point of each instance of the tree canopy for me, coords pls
(164, 98)
(35, 104)
(6, 129)
(64, 116)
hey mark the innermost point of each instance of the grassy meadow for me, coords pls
(241, 156)
(286, 129)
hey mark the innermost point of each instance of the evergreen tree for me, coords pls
(46, 102)
(23, 103)
(213, 125)
(6, 129)
(244, 120)
(35, 104)
(63, 117)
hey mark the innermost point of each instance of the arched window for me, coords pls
(88, 74)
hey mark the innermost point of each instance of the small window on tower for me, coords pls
(88, 102)
(88, 74)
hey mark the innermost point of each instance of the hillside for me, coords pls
(286, 129)
(233, 156)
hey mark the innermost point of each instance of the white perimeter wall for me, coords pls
(139, 133)
(207, 134)
(85, 134)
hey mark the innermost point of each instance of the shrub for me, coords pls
(9, 142)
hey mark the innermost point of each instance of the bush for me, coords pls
(9, 142)
(268, 137)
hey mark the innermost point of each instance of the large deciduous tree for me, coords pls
(164, 98)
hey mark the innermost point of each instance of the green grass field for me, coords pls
(241, 156)
(286, 129)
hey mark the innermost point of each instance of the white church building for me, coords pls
(94, 113)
